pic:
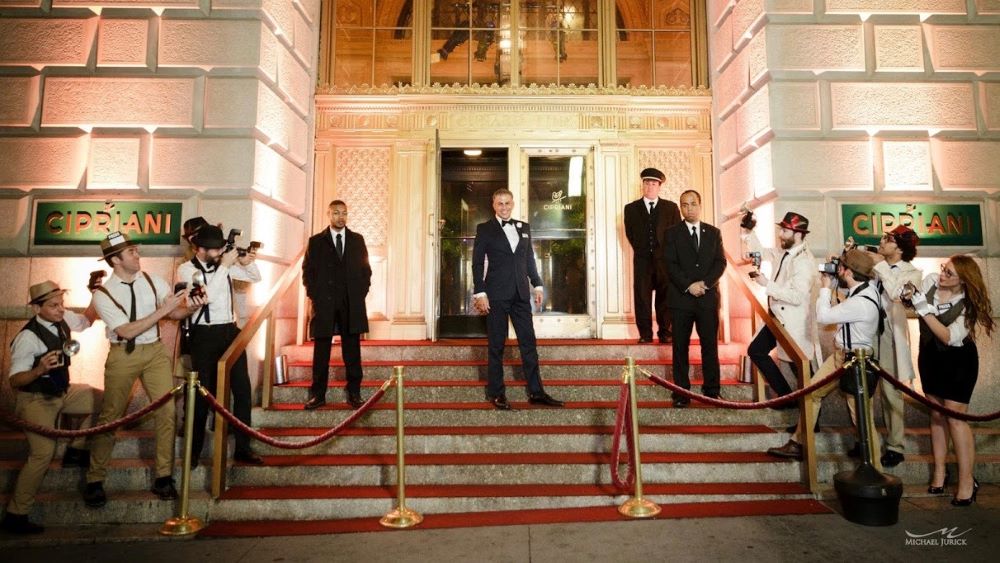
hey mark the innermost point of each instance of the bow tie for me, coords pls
(505, 223)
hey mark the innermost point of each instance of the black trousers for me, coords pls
(760, 354)
(706, 320)
(207, 344)
(519, 313)
(350, 349)
(649, 293)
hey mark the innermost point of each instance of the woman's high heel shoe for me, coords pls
(931, 489)
(955, 501)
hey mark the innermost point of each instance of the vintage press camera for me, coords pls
(254, 245)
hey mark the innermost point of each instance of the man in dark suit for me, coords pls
(646, 222)
(695, 262)
(502, 292)
(337, 276)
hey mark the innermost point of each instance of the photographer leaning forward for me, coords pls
(211, 330)
(39, 373)
(790, 297)
(858, 318)
(131, 303)
(893, 270)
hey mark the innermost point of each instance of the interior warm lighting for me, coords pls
(575, 181)
(472, 152)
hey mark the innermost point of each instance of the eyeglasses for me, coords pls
(946, 272)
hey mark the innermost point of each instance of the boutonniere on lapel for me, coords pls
(519, 225)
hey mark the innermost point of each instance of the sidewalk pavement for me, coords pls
(929, 529)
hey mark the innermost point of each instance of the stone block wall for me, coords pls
(823, 102)
(207, 102)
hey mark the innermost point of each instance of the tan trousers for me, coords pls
(831, 365)
(43, 411)
(151, 364)
(892, 415)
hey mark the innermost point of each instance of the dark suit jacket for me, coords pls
(508, 273)
(637, 217)
(330, 280)
(685, 265)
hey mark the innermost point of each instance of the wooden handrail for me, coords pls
(264, 313)
(799, 358)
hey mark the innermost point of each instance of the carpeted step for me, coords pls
(506, 518)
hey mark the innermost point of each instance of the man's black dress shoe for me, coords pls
(354, 399)
(544, 399)
(892, 459)
(681, 402)
(19, 524)
(164, 488)
(248, 457)
(76, 458)
(93, 495)
(314, 403)
(855, 452)
(499, 403)
(645, 340)
(666, 339)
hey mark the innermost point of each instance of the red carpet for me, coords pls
(533, 458)
(518, 405)
(514, 517)
(520, 430)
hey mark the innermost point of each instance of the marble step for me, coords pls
(294, 503)
(122, 475)
(123, 507)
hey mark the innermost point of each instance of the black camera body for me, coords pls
(96, 277)
(748, 222)
(830, 268)
(231, 239)
(196, 291)
(254, 246)
(755, 258)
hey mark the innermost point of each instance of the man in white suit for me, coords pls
(790, 296)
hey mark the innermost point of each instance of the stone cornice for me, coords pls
(506, 90)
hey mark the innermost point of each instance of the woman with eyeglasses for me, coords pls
(951, 305)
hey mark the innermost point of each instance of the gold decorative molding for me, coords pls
(508, 90)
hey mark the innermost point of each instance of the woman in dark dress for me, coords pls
(951, 305)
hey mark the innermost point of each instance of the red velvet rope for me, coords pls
(107, 427)
(746, 405)
(239, 425)
(623, 424)
(951, 413)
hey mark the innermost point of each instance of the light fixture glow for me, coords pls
(575, 180)
(472, 152)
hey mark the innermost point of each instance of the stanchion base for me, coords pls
(639, 508)
(182, 526)
(401, 518)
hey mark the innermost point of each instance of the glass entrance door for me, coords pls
(551, 190)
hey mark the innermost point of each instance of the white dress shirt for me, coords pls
(217, 289)
(27, 346)
(145, 304)
(859, 313)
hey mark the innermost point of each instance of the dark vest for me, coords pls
(56, 381)
(945, 318)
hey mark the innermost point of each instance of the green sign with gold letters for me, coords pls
(936, 225)
(88, 222)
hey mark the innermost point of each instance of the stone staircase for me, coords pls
(465, 457)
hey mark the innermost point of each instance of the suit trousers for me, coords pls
(207, 344)
(706, 320)
(39, 409)
(150, 364)
(760, 354)
(519, 313)
(350, 350)
(649, 292)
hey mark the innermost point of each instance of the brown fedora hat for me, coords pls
(41, 292)
(114, 243)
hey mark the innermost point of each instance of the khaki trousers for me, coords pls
(42, 410)
(151, 364)
(892, 415)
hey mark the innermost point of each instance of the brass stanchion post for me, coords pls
(636, 507)
(400, 517)
(185, 524)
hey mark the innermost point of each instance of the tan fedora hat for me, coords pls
(41, 292)
(114, 243)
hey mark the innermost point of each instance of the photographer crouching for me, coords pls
(858, 318)
(211, 330)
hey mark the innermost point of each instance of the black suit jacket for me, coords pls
(331, 281)
(637, 217)
(685, 265)
(508, 273)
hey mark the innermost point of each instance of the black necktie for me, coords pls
(130, 343)
(652, 204)
(694, 237)
(780, 264)
(340, 246)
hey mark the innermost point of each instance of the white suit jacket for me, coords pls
(792, 294)
(893, 280)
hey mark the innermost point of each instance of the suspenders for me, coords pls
(156, 298)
